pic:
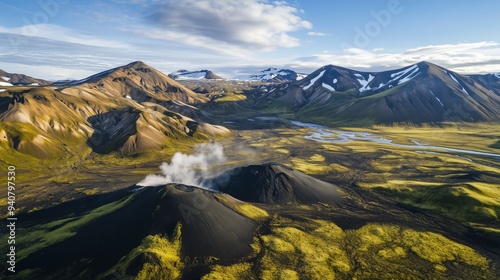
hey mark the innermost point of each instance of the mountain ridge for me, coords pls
(10, 79)
(273, 75)
(128, 109)
(194, 75)
(422, 92)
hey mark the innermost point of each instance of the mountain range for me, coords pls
(259, 221)
(423, 92)
(10, 79)
(190, 75)
(273, 75)
(269, 75)
(135, 107)
(127, 109)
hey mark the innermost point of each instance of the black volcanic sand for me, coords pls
(210, 226)
(275, 183)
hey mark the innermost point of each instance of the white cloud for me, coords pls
(59, 33)
(195, 41)
(433, 49)
(479, 57)
(312, 33)
(48, 72)
(251, 24)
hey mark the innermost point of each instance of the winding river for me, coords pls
(328, 135)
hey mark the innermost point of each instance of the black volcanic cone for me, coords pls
(102, 238)
(209, 228)
(273, 183)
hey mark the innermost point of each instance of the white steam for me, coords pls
(188, 169)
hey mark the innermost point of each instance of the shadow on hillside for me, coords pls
(112, 129)
(99, 240)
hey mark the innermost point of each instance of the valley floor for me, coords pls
(407, 169)
(460, 186)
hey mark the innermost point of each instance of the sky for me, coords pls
(70, 39)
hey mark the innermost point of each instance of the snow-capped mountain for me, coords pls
(274, 75)
(194, 75)
(423, 92)
(335, 78)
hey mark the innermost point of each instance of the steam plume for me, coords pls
(188, 169)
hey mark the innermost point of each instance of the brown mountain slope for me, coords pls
(139, 82)
(51, 121)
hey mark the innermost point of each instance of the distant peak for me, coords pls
(331, 66)
(199, 74)
(137, 64)
(426, 63)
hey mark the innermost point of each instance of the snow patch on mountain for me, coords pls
(6, 79)
(267, 75)
(412, 75)
(328, 87)
(364, 83)
(400, 74)
(455, 79)
(2, 89)
(5, 84)
(301, 76)
(313, 80)
(380, 86)
(497, 75)
(439, 100)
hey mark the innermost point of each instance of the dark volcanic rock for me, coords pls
(273, 183)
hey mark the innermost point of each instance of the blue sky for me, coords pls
(60, 39)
